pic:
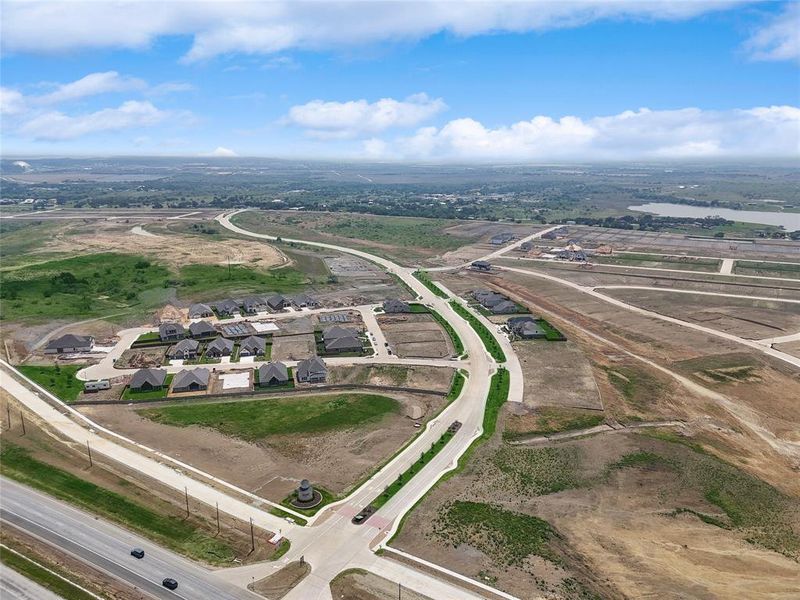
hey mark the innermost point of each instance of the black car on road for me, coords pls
(137, 553)
(170, 583)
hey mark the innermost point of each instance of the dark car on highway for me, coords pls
(137, 553)
(170, 583)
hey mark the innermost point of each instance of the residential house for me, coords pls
(145, 380)
(253, 305)
(218, 347)
(505, 307)
(171, 331)
(278, 302)
(201, 329)
(304, 301)
(200, 311)
(488, 298)
(190, 380)
(525, 247)
(226, 308)
(348, 343)
(273, 373)
(70, 343)
(501, 238)
(396, 306)
(184, 350)
(252, 346)
(312, 370)
(481, 265)
(526, 328)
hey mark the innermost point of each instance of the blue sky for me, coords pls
(529, 81)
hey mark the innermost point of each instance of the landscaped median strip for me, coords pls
(489, 341)
(44, 576)
(423, 277)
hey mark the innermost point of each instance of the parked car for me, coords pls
(137, 553)
(170, 583)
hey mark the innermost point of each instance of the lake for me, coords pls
(790, 221)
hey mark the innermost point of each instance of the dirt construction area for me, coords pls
(274, 466)
(141, 358)
(437, 379)
(357, 584)
(293, 347)
(415, 335)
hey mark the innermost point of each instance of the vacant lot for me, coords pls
(141, 358)
(293, 347)
(417, 376)
(357, 584)
(765, 269)
(415, 335)
(405, 239)
(268, 446)
(683, 263)
(616, 516)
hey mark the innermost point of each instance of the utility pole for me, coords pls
(22, 421)
(252, 536)
(399, 590)
(8, 414)
(186, 492)
(217, 518)
(89, 451)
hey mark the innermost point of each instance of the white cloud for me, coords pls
(779, 39)
(221, 151)
(55, 125)
(221, 27)
(12, 102)
(91, 85)
(357, 117)
(631, 135)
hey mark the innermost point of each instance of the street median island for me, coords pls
(280, 583)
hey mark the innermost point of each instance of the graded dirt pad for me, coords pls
(173, 248)
(792, 348)
(274, 466)
(630, 517)
(280, 583)
(141, 358)
(357, 584)
(751, 319)
(557, 374)
(415, 335)
(420, 377)
(293, 347)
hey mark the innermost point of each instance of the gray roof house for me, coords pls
(337, 331)
(226, 308)
(254, 304)
(501, 238)
(311, 370)
(346, 343)
(219, 346)
(148, 379)
(252, 346)
(184, 350)
(171, 331)
(200, 311)
(525, 327)
(201, 329)
(190, 380)
(274, 373)
(488, 298)
(396, 306)
(505, 307)
(304, 301)
(278, 302)
(481, 265)
(69, 343)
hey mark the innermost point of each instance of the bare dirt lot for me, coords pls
(141, 358)
(173, 248)
(280, 583)
(428, 378)
(415, 335)
(752, 319)
(273, 467)
(293, 347)
(357, 584)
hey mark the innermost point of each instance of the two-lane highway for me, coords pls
(107, 547)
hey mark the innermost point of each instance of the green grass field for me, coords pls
(37, 571)
(708, 265)
(426, 281)
(489, 342)
(764, 269)
(102, 284)
(171, 531)
(556, 420)
(257, 419)
(458, 345)
(59, 380)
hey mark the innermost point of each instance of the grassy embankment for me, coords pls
(44, 574)
(58, 380)
(556, 420)
(101, 284)
(170, 531)
(489, 342)
(255, 419)
(764, 269)
(708, 265)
